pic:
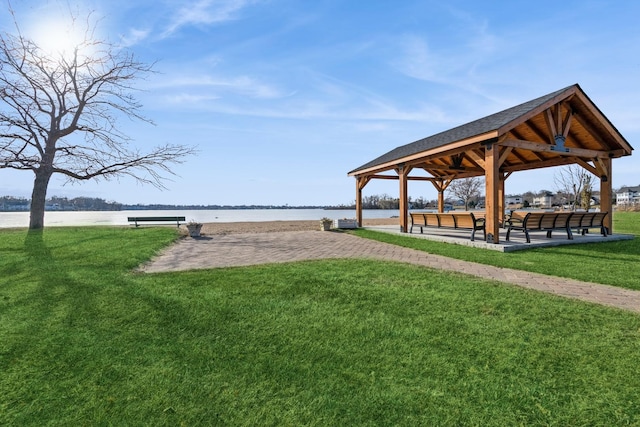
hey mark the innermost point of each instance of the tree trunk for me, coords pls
(38, 199)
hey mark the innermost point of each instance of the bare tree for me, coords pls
(576, 182)
(58, 115)
(466, 189)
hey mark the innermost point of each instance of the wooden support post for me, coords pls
(501, 198)
(440, 201)
(441, 185)
(492, 205)
(361, 181)
(606, 193)
(403, 172)
(358, 201)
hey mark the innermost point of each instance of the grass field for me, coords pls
(86, 341)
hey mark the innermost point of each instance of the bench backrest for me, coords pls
(581, 219)
(447, 219)
(546, 220)
(598, 219)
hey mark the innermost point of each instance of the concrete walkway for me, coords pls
(261, 248)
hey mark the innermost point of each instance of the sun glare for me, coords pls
(56, 38)
(57, 33)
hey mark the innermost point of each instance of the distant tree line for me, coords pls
(384, 201)
(55, 203)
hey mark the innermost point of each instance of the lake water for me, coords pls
(56, 218)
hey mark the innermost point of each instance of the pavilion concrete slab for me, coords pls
(517, 240)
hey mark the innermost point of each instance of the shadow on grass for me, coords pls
(74, 329)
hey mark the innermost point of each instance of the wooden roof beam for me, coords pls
(476, 158)
(558, 161)
(587, 166)
(450, 169)
(535, 130)
(503, 156)
(396, 177)
(540, 148)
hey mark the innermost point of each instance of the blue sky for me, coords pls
(284, 97)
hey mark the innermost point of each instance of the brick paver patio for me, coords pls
(261, 248)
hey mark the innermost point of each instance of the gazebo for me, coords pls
(561, 128)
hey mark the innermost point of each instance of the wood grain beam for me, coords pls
(541, 148)
(449, 169)
(587, 166)
(558, 161)
(503, 156)
(476, 158)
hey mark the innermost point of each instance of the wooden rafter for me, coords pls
(566, 125)
(592, 131)
(476, 158)
(535, 129)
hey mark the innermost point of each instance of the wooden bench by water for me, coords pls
(555, 221)
(156, 220)
(455, 220)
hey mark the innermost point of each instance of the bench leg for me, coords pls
(569, 234)
(508, 233)
(526, 234)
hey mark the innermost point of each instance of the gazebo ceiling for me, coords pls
(561, 128)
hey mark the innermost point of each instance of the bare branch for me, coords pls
(59, 114)
(466, 189)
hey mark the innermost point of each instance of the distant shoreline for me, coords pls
(181, 207)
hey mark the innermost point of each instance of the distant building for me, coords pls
(544, 201)
(513, 200)
(628, 196)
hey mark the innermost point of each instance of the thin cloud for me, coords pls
(244, 86)
(205, 12)
(134, 36)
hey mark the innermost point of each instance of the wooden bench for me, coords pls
(466, 220)
(583, 221)
(539, 221)
(156, 219)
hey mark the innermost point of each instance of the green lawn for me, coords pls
(84, 340)
(615, 263)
